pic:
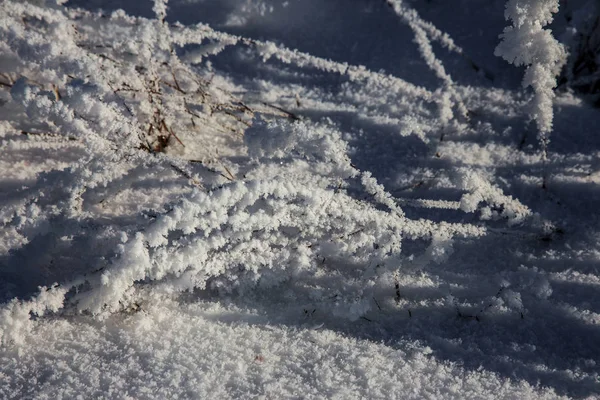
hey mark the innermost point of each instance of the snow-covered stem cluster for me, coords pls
(131, 96)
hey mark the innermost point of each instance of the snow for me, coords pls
(215, 351)
(295, 199)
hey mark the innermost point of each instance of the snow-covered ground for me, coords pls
(293, 199)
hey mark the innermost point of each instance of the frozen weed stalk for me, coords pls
(527, 43)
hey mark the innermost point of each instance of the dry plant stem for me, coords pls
(544, 142)
(177, 87)
(48, 134)
(164, 125)
(229, 172)
(231, 176)
(212, 170)
(7, 77)
(288, 114)
(185, 174)
(377, 304)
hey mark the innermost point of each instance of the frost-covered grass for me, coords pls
(200, 210)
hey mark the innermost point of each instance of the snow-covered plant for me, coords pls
(498, 205)
(424, 33)
(527, 43)
(227, 191)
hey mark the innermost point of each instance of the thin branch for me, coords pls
(48, 134)
(164, 124)
(288, 114)
(211, 169)
(187, 175)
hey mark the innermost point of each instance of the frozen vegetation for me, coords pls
(299, 199)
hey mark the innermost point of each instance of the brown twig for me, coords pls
(288, 114)
(164, 124)
(48, 134)
(211, 169)
(7, 77)
(57, 95)
(187, 175)
(176, 82)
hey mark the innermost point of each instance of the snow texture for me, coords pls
(294, 199)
